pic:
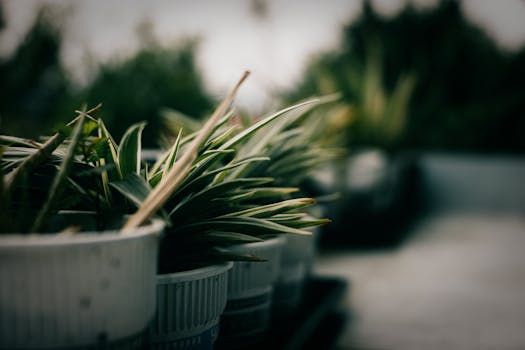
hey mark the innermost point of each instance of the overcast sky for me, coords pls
(274, 45)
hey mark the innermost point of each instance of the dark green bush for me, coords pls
(468, 93)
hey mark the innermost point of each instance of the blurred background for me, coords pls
(429, 226)
(453, 71)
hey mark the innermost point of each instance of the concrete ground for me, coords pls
(458, 283)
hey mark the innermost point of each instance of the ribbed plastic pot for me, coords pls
(88, 290)
(250, 289)
(189, 305)
(297, 259)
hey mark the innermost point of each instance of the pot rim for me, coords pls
(194, 274)
(14, 240)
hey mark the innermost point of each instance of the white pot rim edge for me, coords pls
(82, 238)
(194, 274)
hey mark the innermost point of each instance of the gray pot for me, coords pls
(189, 305)
(296, 263)
(89, 290)
(250, 290)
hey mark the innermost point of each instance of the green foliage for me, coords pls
(36, 93)
(32, 81)
(76, 169)
(295, 146)
(221, 194)
(35, 177)
(215, 205)
(59, 182)
(129, 150)
(467, 93)
(291, 139)
(135, 89)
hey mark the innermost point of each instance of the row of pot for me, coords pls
(232, 303)
(93, 290)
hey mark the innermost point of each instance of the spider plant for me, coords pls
(35, 177)
(196, 185)
(296, 147)
(295, 144)
(39, 180)
(212, 205)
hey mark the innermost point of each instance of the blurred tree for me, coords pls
(2, 20)
(137, 88)
(468, 94)
(36, 94)
(32, 80)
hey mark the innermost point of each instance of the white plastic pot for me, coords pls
(89, 290)
(250, 289)
(297, 256)
(189, 305)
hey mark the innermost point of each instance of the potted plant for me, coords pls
(296, 148)
(250, 284)
(58, 285)
(208, 211)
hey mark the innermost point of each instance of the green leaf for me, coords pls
(305, 223)
(133, 187)
(57, 187)
(212, 154)
(235, 197)
(199, 168)
(299, 109)
(202, 199)
(196, 184)
(166, 159)
(222, 172)
(223, 136)
(245, 225)
(110, 157)
(269, 210)
(96, 149)
(272, 192)
(129, 150)
(220, 124)
(31, 162)
(288, 217)
(89, 126)
(172, 156)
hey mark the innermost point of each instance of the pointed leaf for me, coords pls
(57, 187)
(269, 210)
(129, 150)
(172, 156)
(133, 187)
(246, 225)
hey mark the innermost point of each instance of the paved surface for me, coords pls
(459, 283)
